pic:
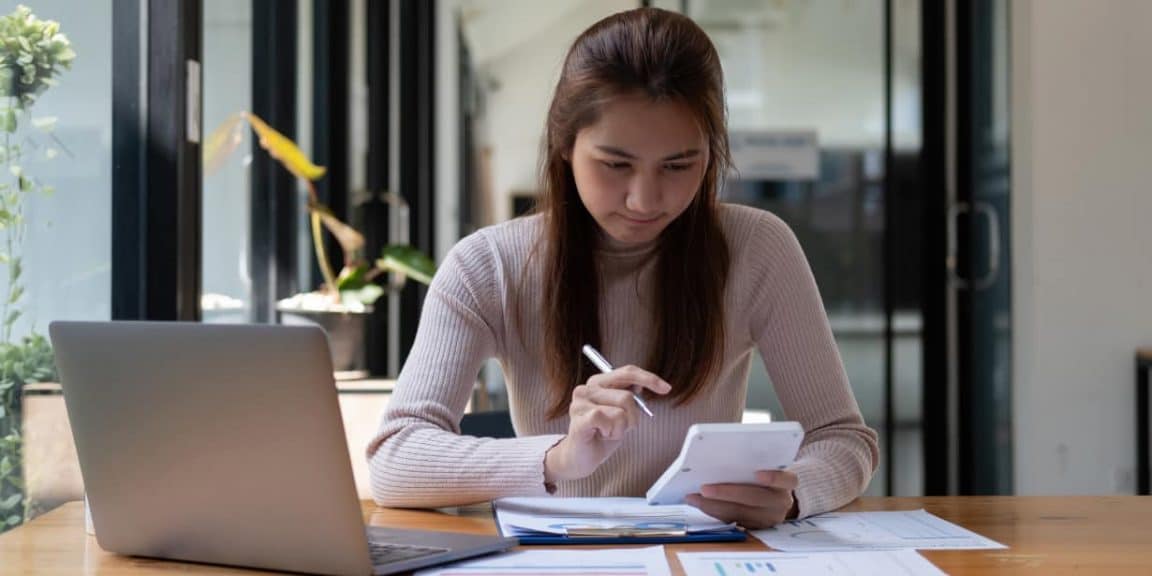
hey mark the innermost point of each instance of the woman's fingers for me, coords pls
(607, 412)
(747, 494)
(605, 405)
(726, 511)
(610, 422)
(766, 503)
(768, 513)
(619, 398)
(629, 377)
(780, 479)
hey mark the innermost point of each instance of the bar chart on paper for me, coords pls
(726, 566)
(619, 562)
(885, 563)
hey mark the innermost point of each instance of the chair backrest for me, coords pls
(495, 424)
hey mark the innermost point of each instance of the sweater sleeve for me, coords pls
(790, 328)
(418, 459)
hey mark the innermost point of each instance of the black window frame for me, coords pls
(156, 166)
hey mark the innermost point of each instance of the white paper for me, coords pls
(873, 531)
(556, 515)
(608, 562)
(879, 563)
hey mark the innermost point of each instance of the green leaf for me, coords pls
(5, 466)
(12, 316)
(17, 269)
(14, 520)
(17, 292)
(366, 294)
(8, 121)
(16, 170)
(352, 278)
(408, 261)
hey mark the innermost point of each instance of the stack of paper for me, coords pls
(625, 517)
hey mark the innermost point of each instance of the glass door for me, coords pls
(824, 102)
(981, 279)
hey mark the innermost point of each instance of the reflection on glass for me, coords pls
(227, 89)
(818, 67)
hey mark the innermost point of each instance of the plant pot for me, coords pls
(345, 334)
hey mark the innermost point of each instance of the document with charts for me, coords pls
(872, 531)
(877, 562)
(648, 561)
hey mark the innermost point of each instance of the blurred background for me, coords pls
(966, 178)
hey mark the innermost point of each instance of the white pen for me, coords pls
(605, 367)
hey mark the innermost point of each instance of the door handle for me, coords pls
(989, 278)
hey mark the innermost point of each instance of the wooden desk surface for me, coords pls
(1046, 535)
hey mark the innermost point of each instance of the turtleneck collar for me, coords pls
(609, 247)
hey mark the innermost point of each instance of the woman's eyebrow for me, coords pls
(624, 154)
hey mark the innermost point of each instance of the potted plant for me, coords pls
(342, 302)
(33, 53)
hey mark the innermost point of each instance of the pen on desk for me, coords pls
(605, 367)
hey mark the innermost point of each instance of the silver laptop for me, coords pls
(224, 444)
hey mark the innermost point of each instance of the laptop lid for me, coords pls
(212, 443)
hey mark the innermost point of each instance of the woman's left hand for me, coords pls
(761, 505)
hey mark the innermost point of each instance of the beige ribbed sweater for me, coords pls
(419, 458)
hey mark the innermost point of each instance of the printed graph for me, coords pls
(735, 567)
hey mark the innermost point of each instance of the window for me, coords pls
(56, 211)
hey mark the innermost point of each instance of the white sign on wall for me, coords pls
(775, 154)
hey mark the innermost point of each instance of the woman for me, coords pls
(630, 252)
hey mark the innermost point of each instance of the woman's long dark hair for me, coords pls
(666, 57)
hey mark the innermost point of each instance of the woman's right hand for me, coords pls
(602, 412)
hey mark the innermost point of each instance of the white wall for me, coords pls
(1082, 145)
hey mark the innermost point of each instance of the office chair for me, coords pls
(495, 424)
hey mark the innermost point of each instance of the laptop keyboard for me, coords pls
(384, 553)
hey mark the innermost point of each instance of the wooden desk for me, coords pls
(1046, 535)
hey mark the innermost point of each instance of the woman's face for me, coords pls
(639, 167)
